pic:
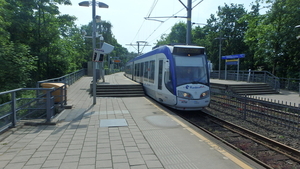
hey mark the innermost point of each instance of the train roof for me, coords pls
(167, 49)
(178, 45)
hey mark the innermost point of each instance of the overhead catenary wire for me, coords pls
(164, 22)
(173, 16)
(155, 2)
(149, 13)
(152, 7)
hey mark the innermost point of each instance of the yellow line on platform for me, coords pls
(209, 142)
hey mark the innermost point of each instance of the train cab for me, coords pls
(176, 76)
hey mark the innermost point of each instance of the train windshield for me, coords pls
(191, 69)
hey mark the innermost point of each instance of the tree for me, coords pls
(272, 37)
(253, 18)
(226, 28)
(232, 28)
(36, 42)
(104, 28)
(16, 62)
(177, 35)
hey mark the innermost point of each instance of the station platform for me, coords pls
(115, 133)
(285, 97)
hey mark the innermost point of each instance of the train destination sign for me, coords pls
(236, 56)
(188, 51)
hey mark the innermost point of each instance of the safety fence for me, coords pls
(291, 84)
(258, 112)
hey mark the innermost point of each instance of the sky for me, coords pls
(129, 25)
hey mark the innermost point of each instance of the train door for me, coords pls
(160, 74)
(164, 85)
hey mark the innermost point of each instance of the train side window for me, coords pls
(160, 74)
(142, 72)
(152, 69)
(135, 71)
(168, 80)
(146, 72)
(138, 70)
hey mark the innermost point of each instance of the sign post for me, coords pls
(233, 60)
(98, 56)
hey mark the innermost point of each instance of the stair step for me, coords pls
(248, 89)
(120, 91)
(121, 95)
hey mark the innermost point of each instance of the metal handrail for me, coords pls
(68, 79)
(10, 118)
(44, 99)
(249, 76)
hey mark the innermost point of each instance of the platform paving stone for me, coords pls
(78, 142)
(68, 165)
(104, 164)
(32, 167)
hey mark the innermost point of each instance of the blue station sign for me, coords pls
(233, 56)
(232, 62)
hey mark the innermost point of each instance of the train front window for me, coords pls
(191, 69)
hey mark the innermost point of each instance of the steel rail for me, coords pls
(272, 144)
(224, 141)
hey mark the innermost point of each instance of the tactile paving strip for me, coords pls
(168, 152)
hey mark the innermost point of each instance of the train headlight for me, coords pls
(204, 94)
(185, 95)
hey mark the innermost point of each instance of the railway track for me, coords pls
(265, 151)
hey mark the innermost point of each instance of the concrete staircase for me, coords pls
(252, 89)
(246, 89)
(130, 90)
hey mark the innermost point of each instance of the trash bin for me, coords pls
(58, 95)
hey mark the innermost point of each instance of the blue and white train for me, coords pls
(176, 76)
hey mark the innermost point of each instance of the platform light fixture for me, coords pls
(298, 37)
(88, 3)
(100, 5)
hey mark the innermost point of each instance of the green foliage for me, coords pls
(268, 40)
(4, 23)
(177, 35)
(16, 65)
(104, 28)
(36, 42)
(228, 27)
(272, 37)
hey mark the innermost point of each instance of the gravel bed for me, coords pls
(281, 134)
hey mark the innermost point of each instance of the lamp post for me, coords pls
(189, 24)
(298, 37)
(101, 38)
(100, 5)
(220, 48)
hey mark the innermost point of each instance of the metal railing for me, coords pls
(258, 112)
(68, 79)
(249, 76)
(40, 106)
(41, 103)
(291, 84)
